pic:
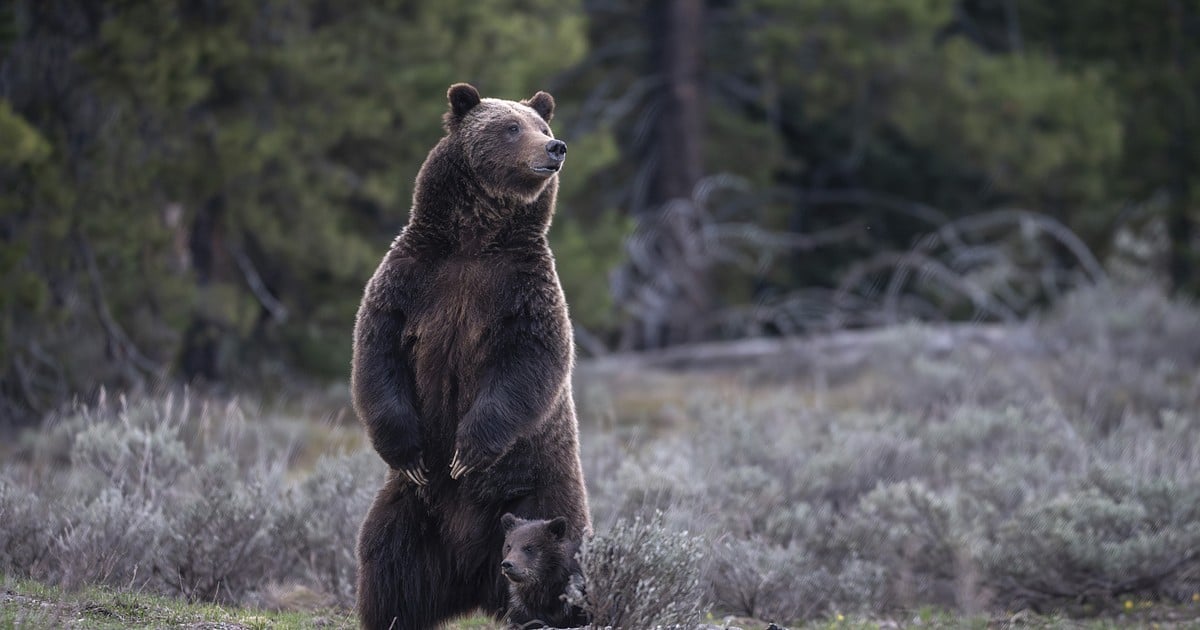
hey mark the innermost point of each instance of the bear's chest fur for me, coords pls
(453, 322)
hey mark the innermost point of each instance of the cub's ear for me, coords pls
(543, 104)
(508, 521)
(558, 527)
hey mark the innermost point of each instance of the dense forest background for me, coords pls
(200, 188)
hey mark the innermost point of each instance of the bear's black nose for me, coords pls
(506, 565)
(557, 150)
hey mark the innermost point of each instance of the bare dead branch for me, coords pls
(932, 269)
(254, 281)
(118, 339)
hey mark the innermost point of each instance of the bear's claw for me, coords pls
(417, 474)
(457, 467)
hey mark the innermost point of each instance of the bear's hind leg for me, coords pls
(408, 576)
(399, 564)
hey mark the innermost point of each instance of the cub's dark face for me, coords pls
(532, 549)
(508, 144)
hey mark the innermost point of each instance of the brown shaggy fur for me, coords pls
(462, 361)
(539, 563)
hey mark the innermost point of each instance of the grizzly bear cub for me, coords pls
(540, 565)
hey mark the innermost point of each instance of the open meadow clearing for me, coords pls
(960, 475)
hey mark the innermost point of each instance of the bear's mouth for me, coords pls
(547, 168)
(513, 575)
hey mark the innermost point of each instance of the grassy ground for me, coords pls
(28, 605)
(25, 604)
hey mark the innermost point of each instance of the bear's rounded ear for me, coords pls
(558, 527)
(463, 98)
(543, 104)
(508, 521)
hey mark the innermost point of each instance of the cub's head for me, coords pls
(508, 145)
(534, 550)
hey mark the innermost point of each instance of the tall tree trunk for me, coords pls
(1180, 229)
(667, 279)
(678, 33)
(200, 357)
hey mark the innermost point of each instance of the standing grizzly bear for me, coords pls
(462, 364)
(540, 565)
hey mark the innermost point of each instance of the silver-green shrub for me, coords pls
(1111, 537)
(322, 516)
(641, 574)
(106, 539)
(27, 527)
(217, 544)
(182, 495)
(1040, 465)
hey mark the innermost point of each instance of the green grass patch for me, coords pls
(28, 605)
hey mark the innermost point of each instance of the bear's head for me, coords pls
(535, 551)
(507, 145)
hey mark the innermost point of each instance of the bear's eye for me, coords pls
(507, 548)
(527, 549)
(514, 128)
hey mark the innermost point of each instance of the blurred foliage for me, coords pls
(201, 187)
(875, 96)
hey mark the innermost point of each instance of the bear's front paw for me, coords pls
(416, 474)
(407, 461)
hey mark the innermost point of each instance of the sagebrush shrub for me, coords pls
(945, 475)
(1111, 537)
(27, 528)
(217, 543)
(759, 579)
(1136, 322)
(1123, 351)
(135, 457)
(913, 533)
(639, 574)
(182, 497)
(1057, 465)
(106, 539)
(320, 521)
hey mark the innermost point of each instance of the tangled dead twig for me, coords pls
(992, 266)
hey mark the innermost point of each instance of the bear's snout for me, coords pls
(557, 150)
(511, 571)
